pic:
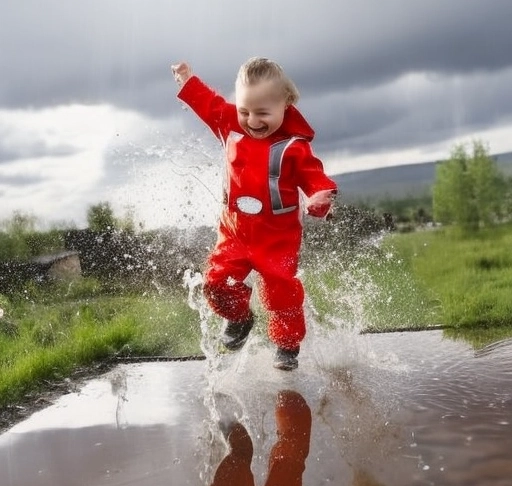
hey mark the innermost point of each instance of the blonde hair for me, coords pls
(258, 69)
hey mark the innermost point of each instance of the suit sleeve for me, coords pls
(310, 170)
(209, 106)
(311, 177)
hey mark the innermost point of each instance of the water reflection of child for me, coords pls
(288, 455)
(269, 158)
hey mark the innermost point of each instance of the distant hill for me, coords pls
(399, 181)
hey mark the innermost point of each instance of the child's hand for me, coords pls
(319, 204)
(182, 73)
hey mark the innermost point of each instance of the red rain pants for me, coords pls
(271, 247)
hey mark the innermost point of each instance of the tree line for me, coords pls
(469, 191)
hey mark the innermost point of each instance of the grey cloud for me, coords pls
(34, 149)
(111, 51)
(388, 117)
(387, 61)
(345, 57)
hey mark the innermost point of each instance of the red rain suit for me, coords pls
(270, 172)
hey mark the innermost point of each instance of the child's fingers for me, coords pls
(181, 67)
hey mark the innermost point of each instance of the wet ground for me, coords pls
(394, 409)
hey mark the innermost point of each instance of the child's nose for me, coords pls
(253, 120)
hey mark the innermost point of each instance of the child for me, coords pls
(268, 159)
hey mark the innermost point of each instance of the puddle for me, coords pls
(393, 409)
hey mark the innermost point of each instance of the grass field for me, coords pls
(469, 275)
(46, 334)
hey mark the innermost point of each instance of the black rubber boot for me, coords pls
(236, 333)
(286, 359)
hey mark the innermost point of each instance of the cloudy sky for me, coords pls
(88, 110)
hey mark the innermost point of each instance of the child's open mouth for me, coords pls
(258, 131)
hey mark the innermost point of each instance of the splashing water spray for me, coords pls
(211, 448)
(350, 297)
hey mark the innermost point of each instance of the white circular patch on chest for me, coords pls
(249, 205)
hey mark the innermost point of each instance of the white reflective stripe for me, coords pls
(275, 160)
(249, 205)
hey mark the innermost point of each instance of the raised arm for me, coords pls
(212, 108)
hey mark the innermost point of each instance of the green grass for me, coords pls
(51, 333)
(470, 275)
(416, 280)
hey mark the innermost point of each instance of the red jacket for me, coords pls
(252, 169)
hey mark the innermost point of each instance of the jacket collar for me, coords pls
(294, 124)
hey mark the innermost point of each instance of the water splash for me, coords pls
(175, 185)
(193, 281)
(210, 328)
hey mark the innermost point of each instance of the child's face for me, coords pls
(260, 108)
